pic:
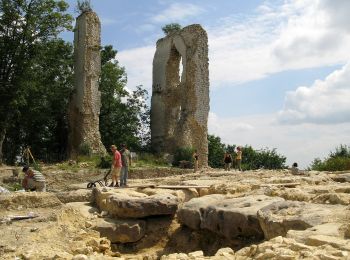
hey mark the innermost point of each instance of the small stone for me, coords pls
(196, 254)
(80, 257)
(103, 213)
(88, 224)
(224, 251)
(103, 247)
(34, 229)
(10, 249)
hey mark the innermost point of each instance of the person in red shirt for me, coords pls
(116, 166)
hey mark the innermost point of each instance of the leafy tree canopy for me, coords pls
(338, 160)
(124, 116)
(251, 159)
(83, 6)
(25, 27)
(171, 27)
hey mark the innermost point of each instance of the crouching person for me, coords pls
(33, 180)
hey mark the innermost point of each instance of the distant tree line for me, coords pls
(252, 159)
(36, 81)
(338, 160)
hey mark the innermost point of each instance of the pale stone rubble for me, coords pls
(276, 222)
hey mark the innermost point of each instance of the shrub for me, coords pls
(105, 162)
(170, 28)
(251, 159)
(339, 160)
(182, 154)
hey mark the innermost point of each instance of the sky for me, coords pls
(279, 71)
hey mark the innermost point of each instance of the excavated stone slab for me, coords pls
(84, 209)
(120, 231)
(229, 217)
(183, 195)
(276, 219)
(75, 196)
(344, 177)
(131, 204)
(328, 229)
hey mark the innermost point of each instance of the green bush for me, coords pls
(264, 158)
(182, 154)
(339, 160)
(105, 162)
(216, 151)
(251, 159)
(149, 159)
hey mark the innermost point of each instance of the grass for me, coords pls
(144, 160)
(150, 161)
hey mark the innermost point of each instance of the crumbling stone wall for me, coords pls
(85, 103)
(180, 103)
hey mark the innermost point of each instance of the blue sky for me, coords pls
(278, 69)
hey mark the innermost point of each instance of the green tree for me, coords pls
(124, 116)
(42, 119)
(25, 25)
(83, 6)
(251, 159)
(338, 160)
(264, 158)
(170, 28)
(216, 151)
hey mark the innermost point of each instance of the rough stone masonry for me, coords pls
(180, 103)
(85, 103)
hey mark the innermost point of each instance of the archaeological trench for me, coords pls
(169, 213)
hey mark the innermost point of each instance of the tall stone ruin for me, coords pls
(180, 103)
(85, 103)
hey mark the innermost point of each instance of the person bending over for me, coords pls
(33, 180)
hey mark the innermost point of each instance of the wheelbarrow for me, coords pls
(101, 181)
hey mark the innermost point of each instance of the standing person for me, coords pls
(195, 160)
(126, 162)
(33, 180)
(239, 158)
(116, 166)
(227, 161)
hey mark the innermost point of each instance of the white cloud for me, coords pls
(138, 65)
(299, 143)
(324, 102)
(177, 12)
(295, 35)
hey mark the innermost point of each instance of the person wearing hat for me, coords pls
(33, 180)
(116, 166)
(126, 162)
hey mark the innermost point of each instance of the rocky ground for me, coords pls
(176, 214)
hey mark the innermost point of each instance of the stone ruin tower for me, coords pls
(180, 103)
(85, 103)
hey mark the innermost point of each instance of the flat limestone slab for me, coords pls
(120, 231)
(276, 219)
(229, 217)
(125, 203)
